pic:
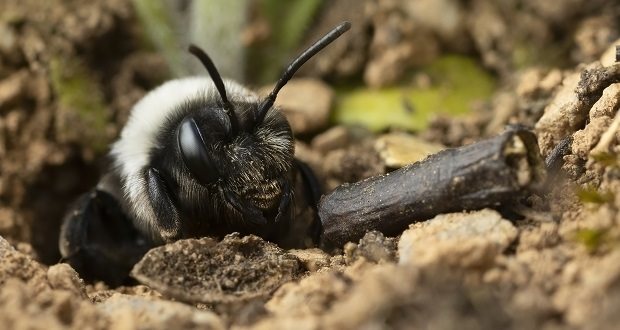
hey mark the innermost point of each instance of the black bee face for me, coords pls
(248, 163)
(214, 153)
(219, 175)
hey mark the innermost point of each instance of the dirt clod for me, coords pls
(63, 277)
(14, 264)
(205, 271)
(459, 239)
(374, 247)
(128, 312)
(71, 70)
(306, 103)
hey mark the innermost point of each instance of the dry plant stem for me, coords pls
(483, 174)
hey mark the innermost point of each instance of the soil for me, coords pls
(553, 262)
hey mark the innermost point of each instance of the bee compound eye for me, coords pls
(194, 152)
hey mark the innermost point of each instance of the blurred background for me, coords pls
(70, 71)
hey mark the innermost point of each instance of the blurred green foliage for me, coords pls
(80, 99)
(606, 159)
(218, 28)
(457, 82)
(288, 22)
(592, 195)
(591, 239)
(158, 26)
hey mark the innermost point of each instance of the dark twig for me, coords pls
(484, 174)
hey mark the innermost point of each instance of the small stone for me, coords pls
(584, 140)
(552, 80)
(342, 137)
(399, 149)
(306, 104)
(608, 104)
(14, 264)
(309, 156)
(374, 247)
(334, 138)
(9, 48)
(64, 277)
(352, 164)
(312, 259)
(310, 296)
(592, 36)
(23, 306)
(563, 114)
(529, 82)
(457, 239)
(12, 88)
(149, 313)
(9, 223)
(237, 269)
(591, 294)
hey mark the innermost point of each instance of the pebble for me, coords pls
(399, 149)
(64, 277)
(133, 312)
(608, 104)
(14, 264)
(237, 269)
(306, 103)
(457, 239)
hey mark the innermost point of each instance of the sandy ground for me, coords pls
(555, 265)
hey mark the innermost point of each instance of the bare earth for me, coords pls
(558, 266)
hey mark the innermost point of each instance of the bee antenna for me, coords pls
(217, 80)
(290, 70)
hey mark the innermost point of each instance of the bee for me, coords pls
(197, 157)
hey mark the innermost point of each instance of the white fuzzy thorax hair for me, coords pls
(139, 136)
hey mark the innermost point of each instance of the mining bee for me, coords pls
(199, 156)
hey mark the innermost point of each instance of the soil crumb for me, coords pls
(71, 70)
(235, 269)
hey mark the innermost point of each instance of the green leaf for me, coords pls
(593, 196)
(82, 116)
(158, 26)
(288, 22)
(606, 159)
(458, 83)
(592, 239)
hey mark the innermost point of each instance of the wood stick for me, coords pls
(483, 174)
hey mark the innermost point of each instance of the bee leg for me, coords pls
(99, 241)
(311, 183)
(312, 191)
(168, 220)
(284, 209)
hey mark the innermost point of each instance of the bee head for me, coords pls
(247, 146)
(205, 156)
(236, 147)
(241, 159)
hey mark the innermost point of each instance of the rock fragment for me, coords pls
(306, 104)
(374, 247)
(133, 312)
(312, 259)
(14, 264)
(237, 269)
(399, 149)
(63, 277)
(458, 239)
(312, 295)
